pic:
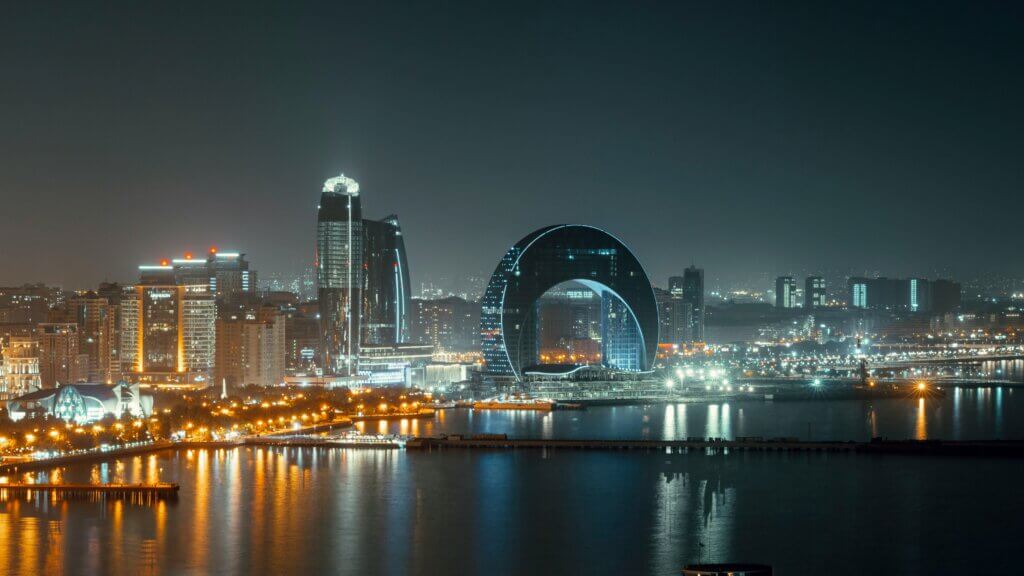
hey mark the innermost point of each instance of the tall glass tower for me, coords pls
(339, 266)
(387, 298)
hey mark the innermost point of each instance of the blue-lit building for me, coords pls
(509, 323)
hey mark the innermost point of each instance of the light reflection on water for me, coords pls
(274, 510)
(321, 510)
(963, 414)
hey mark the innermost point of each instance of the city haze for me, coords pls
(752, 140)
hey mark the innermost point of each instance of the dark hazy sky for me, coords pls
(751, 138)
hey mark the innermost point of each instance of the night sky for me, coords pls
(751, 138)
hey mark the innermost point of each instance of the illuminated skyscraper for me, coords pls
(339, 260)
(386, 296)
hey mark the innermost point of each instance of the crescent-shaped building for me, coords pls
(550, 256)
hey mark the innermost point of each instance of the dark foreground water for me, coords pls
(330, 511)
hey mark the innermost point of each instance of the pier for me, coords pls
(154, 491)
(996, 448)
(305, 441)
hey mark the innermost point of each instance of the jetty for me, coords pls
(298, 440)
(995, 448)
(152, 491)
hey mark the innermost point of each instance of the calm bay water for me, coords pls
(330, 511)
(963, 414)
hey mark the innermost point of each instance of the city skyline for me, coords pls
(533, 287)
(739, 157)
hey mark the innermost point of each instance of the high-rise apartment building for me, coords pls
(227, 275)
(168, 330)
(693, 294)
(96, 318)
(903, 295)
(60, 361)
(815, 295)
(302, 344)
(339, 266)
(251, 348)
(448, 324)
(785, 292)
(675, 316)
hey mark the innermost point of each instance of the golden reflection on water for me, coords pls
(921, 427)
(28, 543)
(117, 527)
(201, 497)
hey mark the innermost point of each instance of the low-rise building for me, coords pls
(83, 403)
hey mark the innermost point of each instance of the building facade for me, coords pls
(168, 334)
(227, 275)
(548, 257)
(815, 295)
(903, 294)
(386, 292)
(60, 361)
(785, 292)
(83, 403)
(251, 349)
(447, 324)
(675, 316)
(693, 294)
(20, 373)
(97, 324)
(339, 259)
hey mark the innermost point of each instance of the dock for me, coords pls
(359, 442)
(996, 448)
(154, 491)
